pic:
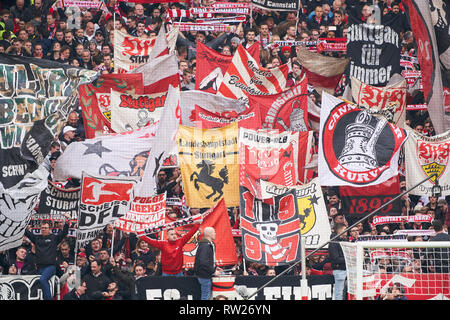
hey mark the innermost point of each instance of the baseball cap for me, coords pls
(68, 128)
(441, 202)
(82, 254)
(286, 48)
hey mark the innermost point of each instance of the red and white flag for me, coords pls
(246, 77)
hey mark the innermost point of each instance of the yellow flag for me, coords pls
(209, 162)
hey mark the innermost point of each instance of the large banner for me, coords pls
(16, 207)
(131, 52)
(134, 111)
(277, 5)
(268, 156)
(360, 201)
(374, 52)
(390, 99)
(425, 156)
(103, 200)
(270, 228)
(95, 100)
(212, 65)
(117, 154)
(36, 96)
(312, 212)
(356, 148)
(209, 162)
(13, 287)
(320, 287)
(245, 77)
(54, 202)
(146, 212)
(285, 111)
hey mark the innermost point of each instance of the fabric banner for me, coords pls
(178, 224)
(36, 97)
(270, 229)
(312, 212)
(216, 217)
(209, 162)
(223, 8)
(164, 151)
(15, 287)
(213, 27)
(206, 119)
(277, 5)
(323, 72)
(103, 200)
(16, 207)
(374, 52)
(392, 96)
(191, 100)
(245, 77)
(268, 156)
(95, 100)
(364, 200)
(425, 156)
(223, 20)
(54, 202)
(423, 28)
(133, 111)
(356, 148)
(377, 220)
(117, 154)
(285, 111)
(146, 212)
(212, 65)
(131, 52)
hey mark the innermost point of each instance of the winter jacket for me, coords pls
(336, 254)
(46, 246)
(172, 251)
(204, 265)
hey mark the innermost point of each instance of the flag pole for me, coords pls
(338, 235)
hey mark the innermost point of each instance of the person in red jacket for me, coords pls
(172, 250)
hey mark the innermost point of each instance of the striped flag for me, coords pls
(246, 77)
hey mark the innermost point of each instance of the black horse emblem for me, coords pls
(205, 176)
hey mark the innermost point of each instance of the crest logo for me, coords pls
(433, 158)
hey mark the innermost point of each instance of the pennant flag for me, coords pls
(428, 51)
(250, 118)
(246, 77)
(392, 96)
(361, 201)
(285, 111)
(133, 111)
(266, 156)
(95, 100)
(146, 212)
(103, 200)
(211, 66)
(270, 230)
(54, 202)
(323, 72)
(164, 43)
(355, 147)
(312, 212)
(374, 51)
(16, 207)
(119, 154)
(425, 156)
(277, 5)
(36, 97)
(164, 152)
(209, 162)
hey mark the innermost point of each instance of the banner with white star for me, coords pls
(120, 154)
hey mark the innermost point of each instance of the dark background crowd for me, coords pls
(32, 29)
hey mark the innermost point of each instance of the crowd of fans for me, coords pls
(34, 30)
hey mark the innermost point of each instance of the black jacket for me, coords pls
(204, 265)
(96, 285)
(73, 296)
(46, 246)
(336, 254)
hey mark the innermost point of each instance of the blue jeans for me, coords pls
(181, 274)
(46, 273)
(339, 281)
(205, 287)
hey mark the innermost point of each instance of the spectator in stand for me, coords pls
(68, 137)
(77, 293)
(172, 250)
(442, 212)
(64, 258)
(187, 83)
(440, 256)
(337, 260)
(204, 265)
(46, 244)
(96, 281)
(24, 262)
